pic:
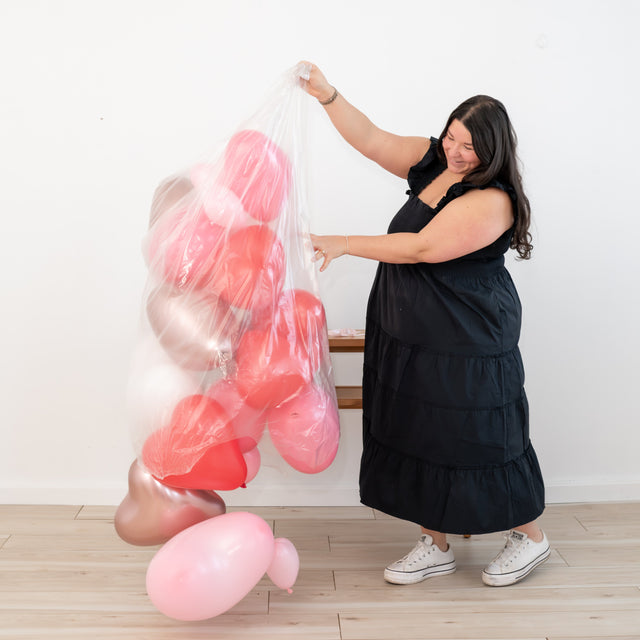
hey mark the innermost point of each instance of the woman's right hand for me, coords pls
(316, 85)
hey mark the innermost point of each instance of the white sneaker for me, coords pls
(425, 560)
(520, 556)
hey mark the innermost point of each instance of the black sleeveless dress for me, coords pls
(445, 415)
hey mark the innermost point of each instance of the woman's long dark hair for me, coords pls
(494, 142)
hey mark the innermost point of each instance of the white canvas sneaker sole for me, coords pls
(412, 577)
(505, 579)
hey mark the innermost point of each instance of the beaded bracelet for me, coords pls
(324, 103)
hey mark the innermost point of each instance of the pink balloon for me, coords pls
(258, 172)
(250, 272)
(197, 329)
(285, 565)
(306, 429)
(252, 459)
(208, 568)
(184, 248)
(270, 368)
(249, 422)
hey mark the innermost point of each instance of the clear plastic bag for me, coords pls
(233, 337)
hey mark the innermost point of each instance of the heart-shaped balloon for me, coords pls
(183, 247)
(198, 449)
(171, 194)
(271, 369)
(197, 329)
(152, 513)
(250, 269)
(306, 429)
(258, 171)
(222, 467)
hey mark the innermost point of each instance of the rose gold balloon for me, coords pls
(152, 513)
(197, 329)
(167, 195)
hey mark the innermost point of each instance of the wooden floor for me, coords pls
(65, 574)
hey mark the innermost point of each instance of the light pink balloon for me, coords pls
(209, 567)
(252, 459)
(223, 207)
(284, 568)
(306, 429)
(202, 174)
(184, 247)
(248, 421)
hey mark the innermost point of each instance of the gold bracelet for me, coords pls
(347, 239)
(324, 103)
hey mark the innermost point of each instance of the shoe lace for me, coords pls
(419, 552)
(512, 548)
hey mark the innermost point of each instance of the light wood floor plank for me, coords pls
(97, 512)
(624, 553)
(448, 600)
(30, 625)
(310, 513)
(38, 512)
(427, 625)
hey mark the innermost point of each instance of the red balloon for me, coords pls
(306, 429)
(249, 422)
(258, 172)
(222, 468)
(250, 272)
(198, 449)
(184, 248)
(300, 316)
(270, 369)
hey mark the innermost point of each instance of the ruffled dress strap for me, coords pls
(422, 173)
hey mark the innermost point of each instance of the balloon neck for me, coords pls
(289, 591)
(243, 486)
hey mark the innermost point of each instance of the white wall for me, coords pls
(98, 102)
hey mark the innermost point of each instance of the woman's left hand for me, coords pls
(328, 248)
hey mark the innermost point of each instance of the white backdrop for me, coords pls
(99, 101)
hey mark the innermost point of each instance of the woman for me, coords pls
(445, 415)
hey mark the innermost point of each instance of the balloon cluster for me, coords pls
(234, 344)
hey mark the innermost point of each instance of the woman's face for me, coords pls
(458, 149)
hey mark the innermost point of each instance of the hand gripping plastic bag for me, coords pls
(233, 338)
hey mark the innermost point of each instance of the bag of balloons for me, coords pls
(233, 338)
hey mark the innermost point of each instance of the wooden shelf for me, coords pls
(346, 344)
(349, 397)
